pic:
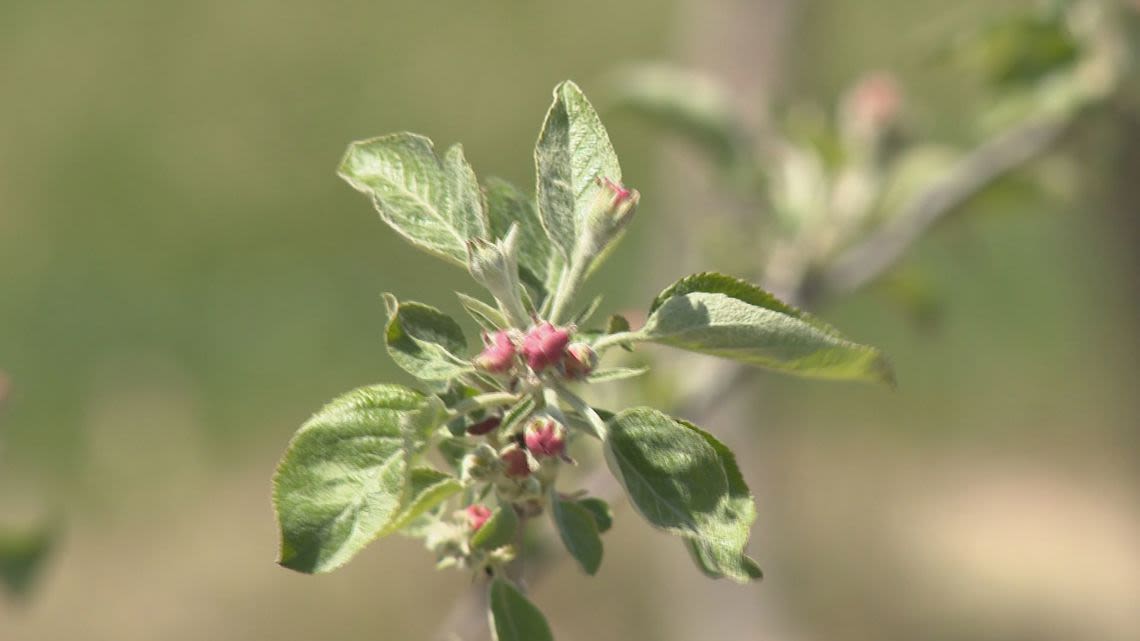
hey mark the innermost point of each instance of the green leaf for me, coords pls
(22, 555)
(453, 449)
(347, 474)
(434, 204)
(489, 318)
(513, 617)
(538, 261)
(579, 531)
(497, 531)
(573, 151)
(600, 510)
(684, 481)
(723, 316)
(423, 341)
(615, 374)
(426, 489)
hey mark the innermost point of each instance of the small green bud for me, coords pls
(482, 464)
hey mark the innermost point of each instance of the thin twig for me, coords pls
(868, 260)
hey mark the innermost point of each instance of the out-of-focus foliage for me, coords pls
(23, 552)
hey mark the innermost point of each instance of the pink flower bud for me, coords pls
(477, 515)
(579, 360)
(545, 437)
(499, 354)
(873, 104)
(543, 345)
(484, 426)
(515, 463)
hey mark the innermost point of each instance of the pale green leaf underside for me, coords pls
(345, 476)
(513, 617)
(573, 151)
(424, 341)
(426, 489)
(723, 316)
(579, 531)
(434, 203)
(607, 374)
(681, 480)
(538, 261)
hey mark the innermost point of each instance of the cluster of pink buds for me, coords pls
(477, 515)
(544, 345)
(498, 356)
(545, 438)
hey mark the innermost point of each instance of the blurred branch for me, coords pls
(869, 259)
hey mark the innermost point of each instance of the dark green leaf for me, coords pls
(424, 341)
(579, 531)
(600, 510)
(682, 480)
(346, 473)
(499, 530)
(22, 555)
(434, 204)
(513, 617)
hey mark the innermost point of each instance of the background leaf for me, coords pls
(573, 150)
(434, 204)
(345, 475)
(723, 316)
(579, 531)
(682, 480)
(22, 555)
(424, 341)
(513, 617)
(600, 510)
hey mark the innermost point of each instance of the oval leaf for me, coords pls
(434, 204)
(346, 473)
(579, 531)
(513, 617)
(684, 481)
(573, 151)
(424, 341)
(600, 510)
(723, 316)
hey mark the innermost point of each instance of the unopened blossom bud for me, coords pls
(499, 354)
(480, 465)
(873, 105)
(611, 210)
(545, 437)
(484, 426)
(579, 360)
(515, 462)
(477, 515)
(544, 345)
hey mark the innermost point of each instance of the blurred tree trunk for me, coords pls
(740, 43)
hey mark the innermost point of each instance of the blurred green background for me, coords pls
(183, 280)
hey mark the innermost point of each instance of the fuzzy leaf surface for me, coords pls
(346, 474)
(424, 341)
(434, 203)
(683, 481)
(573, 151)
(723, 316)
